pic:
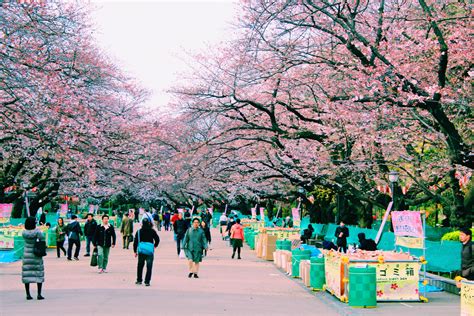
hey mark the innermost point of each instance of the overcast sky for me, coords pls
(149, 38)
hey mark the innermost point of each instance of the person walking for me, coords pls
(223, 221)
(144, 244)
(237, 238)
(89, 232)
(74, 233)
(126, 228)
(207, 217)
(229, 227)
(136, 214)
(207, 233)
(166, 220)
(467, 258)
(157, 220)
(194, 244)
(60, 237)
(32, 270)
(180, 227)
(104, 239)
(342, 232)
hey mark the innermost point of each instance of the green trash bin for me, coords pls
(296, 256)
(51, 242)
(362, 287)
(317, 277)
(278, 244)
(286, 245)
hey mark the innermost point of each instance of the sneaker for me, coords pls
(101, 271)
(138, 283)
(239, 258)
(104, 271)
(76, 258)
(190, 275)
(196, 276)
(69, 259)
(147, 284)
(87, 255)
(39, 297)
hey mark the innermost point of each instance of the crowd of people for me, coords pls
(191, 233)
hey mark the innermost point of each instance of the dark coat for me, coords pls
(207, 233)
(90, 227)
(342, 241)
(180, 227)
(104, 237)
(366, 244)
(74, 230)
(32, 270)
(467, 261)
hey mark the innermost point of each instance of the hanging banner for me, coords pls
(5, 212)
(467, 298)
(296, 216)
(407, 223)
(254, 212)
(398, 281)
(262, 214)
(409, 242)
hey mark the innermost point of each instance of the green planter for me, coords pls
(317, 277)
(296, 257)
(362, 287)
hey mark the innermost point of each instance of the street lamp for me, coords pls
(393, 178)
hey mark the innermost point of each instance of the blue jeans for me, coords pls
(88, 244)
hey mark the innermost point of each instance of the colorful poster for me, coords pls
(91, 208)
(398, 281)
(262, 214)
(334, 275)
(63, 209)
(5, 212)
(467, 298)
(254, 212)
(296, 216)
(407, 223)
(6, 242)
(409, 242)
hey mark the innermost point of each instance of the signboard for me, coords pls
(467, 298)
(409, 242)
(6, 242)
(398, 281)
(296, 216)
(262, 214)
(407, 223)
(5, 212)
(63, 208)
(254, 212)
(333, 272)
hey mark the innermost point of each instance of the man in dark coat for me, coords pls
(74, 233)
(342, 232)
(180, 227)
(89, 232)
(104, 239)
(467, 259)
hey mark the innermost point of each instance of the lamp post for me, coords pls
(393, 178)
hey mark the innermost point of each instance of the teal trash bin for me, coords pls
(279, 244)
(296, 256)
(362, 287)
(286, 245)
(317, 277)
(51, 238)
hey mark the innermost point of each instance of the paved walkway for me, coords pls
(226, 287)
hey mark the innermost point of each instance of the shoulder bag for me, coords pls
(145, 248)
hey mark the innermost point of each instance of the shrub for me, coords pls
(454, 236)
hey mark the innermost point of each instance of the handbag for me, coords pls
(145, 248)
(94, 258)
(39, 249)
(130, 238)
